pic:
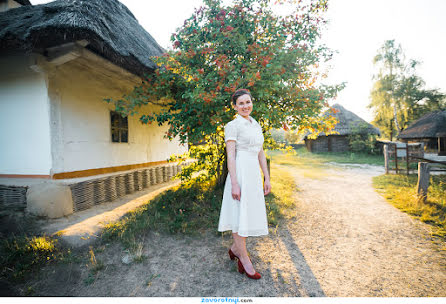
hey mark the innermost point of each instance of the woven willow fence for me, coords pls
(93, 192)
(12, 198)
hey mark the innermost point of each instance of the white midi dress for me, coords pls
(247, 217)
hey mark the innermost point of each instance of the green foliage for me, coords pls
(242, 45)
(400, 191)
(292, 137)
(398, 96)
(21, 255)
(361, 141)
(278, 135)
(190, 208)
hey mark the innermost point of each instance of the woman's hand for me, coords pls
(267, 187)
(236, 193)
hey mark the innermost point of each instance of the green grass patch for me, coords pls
(191, 209)
(304, 159)
(22, 255)
(400, 191)
(281, 202)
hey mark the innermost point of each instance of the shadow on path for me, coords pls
(307, 279)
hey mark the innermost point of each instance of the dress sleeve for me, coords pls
(230, 132)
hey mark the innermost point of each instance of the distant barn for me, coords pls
(348, 123)
(430, 129)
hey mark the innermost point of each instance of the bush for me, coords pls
(361, 141)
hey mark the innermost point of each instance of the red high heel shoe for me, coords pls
(242, 270)
(232, 256)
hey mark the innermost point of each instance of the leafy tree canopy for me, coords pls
(221, 48)
(399, 96)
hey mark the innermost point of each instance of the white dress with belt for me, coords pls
(247, 216)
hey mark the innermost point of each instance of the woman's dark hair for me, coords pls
(238, 93)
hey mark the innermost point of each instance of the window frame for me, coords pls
(122, 128)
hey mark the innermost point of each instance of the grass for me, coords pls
(305, 159)
(188, 209)
(281, 202)
(400, 191)
(191, 209)
(22, 255)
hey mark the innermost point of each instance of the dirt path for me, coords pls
(346, 240)
(359, 245)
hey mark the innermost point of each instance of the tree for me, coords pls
(222, 48)
(398, 96)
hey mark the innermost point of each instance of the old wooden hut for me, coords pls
(348, 123)
(59, 61)
(429, 129)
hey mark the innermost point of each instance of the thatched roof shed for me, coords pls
(349, 123)
(428, 126)
(430, 129)
(108, 27)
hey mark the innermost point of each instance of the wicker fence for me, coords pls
(93, 192)
(12, 198)
(96, 191)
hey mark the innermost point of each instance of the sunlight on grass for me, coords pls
(281, 202)
(312, 168)
(302, 157)
(21, 255)
(192, 208)
(400, 191)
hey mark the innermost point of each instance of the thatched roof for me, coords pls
(428, 126)
(110, 28)
(349, 123)
(23, 2)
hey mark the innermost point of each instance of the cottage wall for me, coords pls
(331, 143)
(339, 143)
(81, 121)
(54, 120)
(24, 118)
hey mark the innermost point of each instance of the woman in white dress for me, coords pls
(243, 207)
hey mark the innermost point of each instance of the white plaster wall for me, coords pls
(81, 122)
(24, 115)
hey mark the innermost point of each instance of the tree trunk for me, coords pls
(397, 126)
(221, 178)
(391, 130)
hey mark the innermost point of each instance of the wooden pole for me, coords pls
(407, 158)
(396, 158)
(423, 180)
(386, 158)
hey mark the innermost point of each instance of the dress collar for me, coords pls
(253, 121)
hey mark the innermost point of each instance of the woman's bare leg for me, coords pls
(239, 249)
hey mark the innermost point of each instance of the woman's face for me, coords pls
(243, 105)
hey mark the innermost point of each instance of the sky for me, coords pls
(356, 30)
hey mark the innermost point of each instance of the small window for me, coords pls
(119, 127)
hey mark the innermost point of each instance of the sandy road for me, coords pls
(357, 244)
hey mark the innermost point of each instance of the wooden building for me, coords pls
(429, 129)
(59, 61)
(348, 123)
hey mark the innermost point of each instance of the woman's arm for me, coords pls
(230, 149)
(264, 166)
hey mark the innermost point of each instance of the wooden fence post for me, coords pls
(407, 158)
(386, 158)
(423, 180)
